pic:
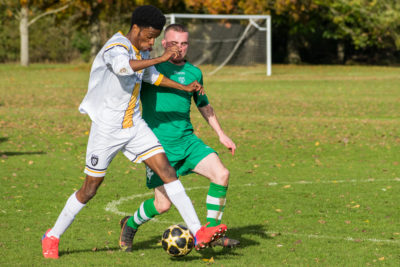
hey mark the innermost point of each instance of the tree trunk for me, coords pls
(24, 35)
(94, 32)
(340, 52)
(293, 55)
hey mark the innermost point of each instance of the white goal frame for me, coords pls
(251, 19)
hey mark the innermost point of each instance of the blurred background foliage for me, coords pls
(303, 31)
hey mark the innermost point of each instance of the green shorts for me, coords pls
(183, 156)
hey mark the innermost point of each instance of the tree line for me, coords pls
(303, 31)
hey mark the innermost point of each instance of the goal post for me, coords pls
(232, 39)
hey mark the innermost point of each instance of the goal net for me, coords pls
(221, 40)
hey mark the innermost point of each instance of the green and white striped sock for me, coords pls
(146, 212)
(216, 199)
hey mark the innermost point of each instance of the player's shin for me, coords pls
(178, 197)
(67, 216)
(216, 199)
(146, 212)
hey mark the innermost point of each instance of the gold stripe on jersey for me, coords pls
(127, 121)
(115, 44)
(138, 56)
(151, 151)
(159, 79)
(136, 50)
(96, 172)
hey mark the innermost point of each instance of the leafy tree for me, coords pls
(366, 23)
(212, 6)
(22, 10)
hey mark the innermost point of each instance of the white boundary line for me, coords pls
(314, 236)
(113, 205)
(370, 180)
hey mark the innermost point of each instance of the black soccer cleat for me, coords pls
(127, 235)
(225, 242)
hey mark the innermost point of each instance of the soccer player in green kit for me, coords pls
(167, 113)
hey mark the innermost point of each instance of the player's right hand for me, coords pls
(171, 51)
(195, 86)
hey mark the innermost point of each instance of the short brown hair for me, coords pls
(175, 27)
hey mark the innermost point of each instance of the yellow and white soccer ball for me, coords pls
(177, 241)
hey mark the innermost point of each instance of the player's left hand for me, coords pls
(195, 86)
(226, 141)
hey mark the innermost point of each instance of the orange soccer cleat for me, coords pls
(50, 246)
(206, 235)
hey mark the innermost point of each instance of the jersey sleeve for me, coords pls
(200, 100)
(116, 56)
(151, 74)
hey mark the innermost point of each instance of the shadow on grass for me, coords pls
(15, 153)
(238, 233)
(244, 234)
(63, 253)
(137, 246)
(8, 154)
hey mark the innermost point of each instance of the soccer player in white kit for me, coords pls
(112, 102)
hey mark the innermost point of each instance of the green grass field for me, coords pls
(315, 180)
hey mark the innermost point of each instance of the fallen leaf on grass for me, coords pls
(210, 260)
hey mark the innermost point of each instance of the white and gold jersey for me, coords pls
(113, 95)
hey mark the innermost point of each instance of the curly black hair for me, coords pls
(148, 16)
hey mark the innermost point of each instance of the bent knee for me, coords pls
(167, 174)
(86, 193)
(222, 178)
(162, 207)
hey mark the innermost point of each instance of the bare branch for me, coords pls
(48, 13)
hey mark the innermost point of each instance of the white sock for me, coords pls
(67, 216)
(178, 197)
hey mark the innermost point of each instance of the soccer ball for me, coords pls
(177, 241)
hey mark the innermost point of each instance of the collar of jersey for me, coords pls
(134, 48)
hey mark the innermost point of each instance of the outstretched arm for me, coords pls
(139, 64)
(194, 86)
(209, 115)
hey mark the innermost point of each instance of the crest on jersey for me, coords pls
(181, 80)
(94, 160)
(149, 173)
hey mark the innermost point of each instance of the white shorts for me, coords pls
(138, 143)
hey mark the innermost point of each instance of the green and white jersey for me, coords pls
(167, 110)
